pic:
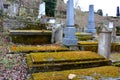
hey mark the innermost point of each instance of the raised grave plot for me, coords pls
(93, 46)
(29, 32)
(31, 37)
(97, 73)
(84, 36)
(40, 48)
(64, 60)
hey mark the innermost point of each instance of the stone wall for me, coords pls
(12, 24)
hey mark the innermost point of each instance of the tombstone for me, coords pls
(69, 31)
(1, 4)
(91, 23)
(113, 29)
(118, 12)
(41, 10)
(57, 33)
(104, 46)
(13, 10)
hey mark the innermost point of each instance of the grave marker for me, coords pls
(91, 23)
(104, 46)
(69, 32)
(41, 10)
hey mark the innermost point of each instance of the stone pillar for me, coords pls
(67, 14)
(91, 23)
(69, 32)
(104, 46)
(118, 12)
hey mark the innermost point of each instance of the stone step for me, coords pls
(41, 62)
(29, 32)
(66, 66)
(38, 48)
(97, 73)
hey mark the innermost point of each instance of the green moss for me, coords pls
(116, 64)
(33, 26)
(83, 36)
(93, 46)
(97, 73)
(32, 39)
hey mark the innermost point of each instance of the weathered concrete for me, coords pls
(12, 24)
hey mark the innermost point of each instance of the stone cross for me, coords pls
(91, 23)
(69, 32)
(104, 46)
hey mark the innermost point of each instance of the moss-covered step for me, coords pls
(64, 60)
(30, 37)
(38, 48)
(84, 36)
(93, 46)
(98, 73)
(30, 32)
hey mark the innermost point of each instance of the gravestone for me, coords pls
(113, 29)
(104, 46)
(1, 4)
(69, 31)
(57, 33)
(14, 9)
(91, 23)
(41, 10)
